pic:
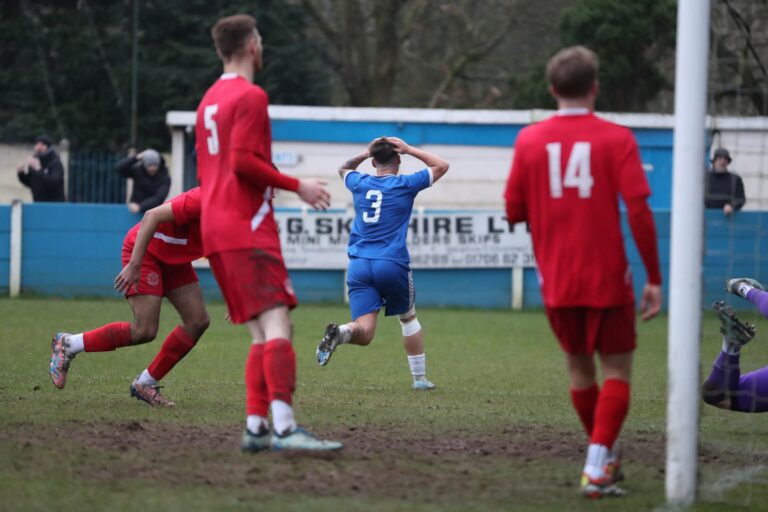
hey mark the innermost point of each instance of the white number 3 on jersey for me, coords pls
(376, 196)
(210, 125)
(578, 173)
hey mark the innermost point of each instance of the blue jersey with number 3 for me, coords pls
(383, 206)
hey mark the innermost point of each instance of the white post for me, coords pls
(15, 265)
(685, 281)
(177, 162)
(517, 287)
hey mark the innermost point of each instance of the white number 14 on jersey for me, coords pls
(578, 173)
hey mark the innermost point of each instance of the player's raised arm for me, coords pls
(437, 165)
(353, 163)
(132, 271)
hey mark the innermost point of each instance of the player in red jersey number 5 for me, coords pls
(240, 238)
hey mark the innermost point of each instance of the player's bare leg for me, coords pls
(581, 370)
(358, 332)
(413, 342)
(188, 302)
(146, 318)
(143, 329)
(602, 468)
(273, 383)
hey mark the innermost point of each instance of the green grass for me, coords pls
(501, 385)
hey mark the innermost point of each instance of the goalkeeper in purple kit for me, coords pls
(726, 387)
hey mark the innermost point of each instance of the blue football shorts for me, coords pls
(376, 283)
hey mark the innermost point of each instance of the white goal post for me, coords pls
(685, 282)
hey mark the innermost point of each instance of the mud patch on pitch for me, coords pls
(382, 462)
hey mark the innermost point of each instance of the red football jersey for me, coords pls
(179, 241)
(567, 174)
(237, 213)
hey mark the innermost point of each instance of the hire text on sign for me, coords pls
(318, 240)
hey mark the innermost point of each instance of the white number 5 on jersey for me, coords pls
(578, 173)
(376, 196)
(210, 125)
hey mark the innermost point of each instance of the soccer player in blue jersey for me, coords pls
(379, 264)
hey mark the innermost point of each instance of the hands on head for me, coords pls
(400, 145)
(313, 192)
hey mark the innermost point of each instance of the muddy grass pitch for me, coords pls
(497, 434)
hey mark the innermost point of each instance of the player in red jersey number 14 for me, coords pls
(567, 175)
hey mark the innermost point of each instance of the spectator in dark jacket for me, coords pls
(151, 181)
(725, 190)
(43, 173)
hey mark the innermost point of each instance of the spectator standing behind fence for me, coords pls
(43, 173)
(151, 181)
(725, 190)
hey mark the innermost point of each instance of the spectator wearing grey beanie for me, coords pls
(151, 181)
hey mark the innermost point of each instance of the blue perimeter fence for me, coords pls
(73, 250)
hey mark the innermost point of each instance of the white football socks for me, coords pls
(282, 417)
(418, 366)
(345, 334)
(145, 379)
(597, 457)
(73, 344)
(256, 424)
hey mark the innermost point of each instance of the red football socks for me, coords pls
(612, 408)
(280, 369)
(107, 337)
(175, 347)
(256, 402)
(585, 402)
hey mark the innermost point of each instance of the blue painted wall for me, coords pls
(655, 144)
(74, 250)
(5, 248)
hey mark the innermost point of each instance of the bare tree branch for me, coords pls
(472, 54)
(322, 23)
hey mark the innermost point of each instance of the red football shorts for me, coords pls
(252, 282)
(584, 330)
(158, 278)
